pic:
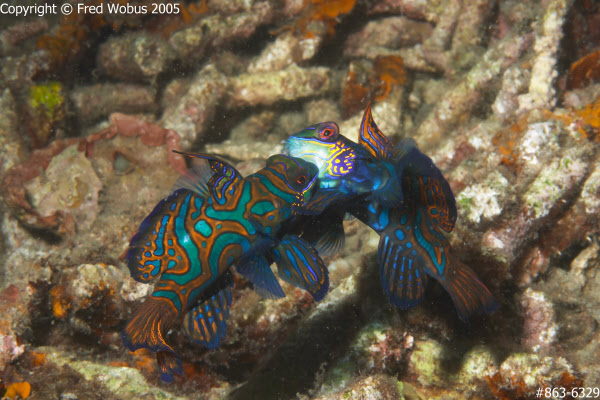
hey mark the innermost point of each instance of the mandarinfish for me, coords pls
(403, 197)
(215, 219)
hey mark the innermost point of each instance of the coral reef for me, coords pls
(95, 102)
(502, 95)
(135, 57)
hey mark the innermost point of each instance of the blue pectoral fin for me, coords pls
(402, 275)
(258, 271)
(389, 196)
(299, 264)
(332, 241)
(206, 323)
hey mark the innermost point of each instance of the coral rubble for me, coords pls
(502, 95)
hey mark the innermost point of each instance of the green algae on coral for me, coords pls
(46, 109)
(46, 97)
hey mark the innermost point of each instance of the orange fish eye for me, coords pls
(326, 133)
(301, 179)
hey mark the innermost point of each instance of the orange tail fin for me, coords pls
(146, 329)
(168, 364)
(469, 295)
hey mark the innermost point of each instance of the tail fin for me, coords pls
(168, 364)
(469, 295)
(146, 329)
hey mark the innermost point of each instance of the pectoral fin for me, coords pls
(332, 241)
(258, 271)
(322, 199)
(146, 329)
(390, 196)
(299, 264)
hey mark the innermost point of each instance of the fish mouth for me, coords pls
(286, 147)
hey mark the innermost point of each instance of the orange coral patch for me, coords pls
(507, 139)
(60, 302)
(39, 359)
(23, 389)
(323, 11)
(585, 121)
(331, 9)
(590, 118)
(355, 95)
(196, 9)
(144, 360)
(363, 87)
(584, 71)
(390, 71)
(192, 371)
(515, 388)
(118, 364)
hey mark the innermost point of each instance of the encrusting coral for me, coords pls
(503, 96)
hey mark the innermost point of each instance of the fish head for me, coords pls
(343, 165)
(294, 177)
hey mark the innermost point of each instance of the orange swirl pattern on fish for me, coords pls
(189, 241)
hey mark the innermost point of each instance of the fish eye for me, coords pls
(328, 134)
(301, 179)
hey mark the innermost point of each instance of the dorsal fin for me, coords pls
(195, 179)
(405, 146)
(372, 138)
(225, 176)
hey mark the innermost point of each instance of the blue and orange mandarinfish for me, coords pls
(410, 204)
(215, 219)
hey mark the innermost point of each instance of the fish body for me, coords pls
(192, 238)
(411, 207)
